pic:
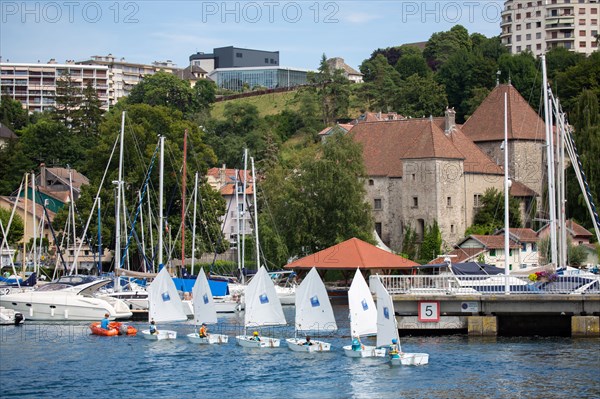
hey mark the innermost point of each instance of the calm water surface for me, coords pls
(49, 360)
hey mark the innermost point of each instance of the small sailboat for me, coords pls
(387, 330)
(262, 309)
(164, 306)
(204, 311)
(363, 318)
(313, 313)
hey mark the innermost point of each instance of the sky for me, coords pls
(145, 31)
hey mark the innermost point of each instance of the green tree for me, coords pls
(332, 90)
(204, 95)
(90, 112)
(421, 96)
(559, 59)
(490, 216)
(432, 243)
(164, 89)
(10, 177)
(410, 248)
(317, 197)
(382, 83)
(12, 114)
(583, 76)
(16, 228)
(442, 45)
(522, 71)
(68, 100)
(410, 64)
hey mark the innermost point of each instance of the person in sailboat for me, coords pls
(308, 342)
(393, 350)
(255, 336)
(153, 329)
(105, 321)
(356, 344)
(203, 331)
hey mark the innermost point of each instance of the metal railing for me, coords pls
(449, 284)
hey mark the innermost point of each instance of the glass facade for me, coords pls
(239, 78)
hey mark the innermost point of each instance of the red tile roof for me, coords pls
(518, 189)
(352, 254)
(386, 143)
(460, 255)
(487, 122)
(578, 230)
(520, 234)
(225, 180)
(491, 242)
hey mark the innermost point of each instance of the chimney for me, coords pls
(222, 175)
(450, 115)
(43, 175)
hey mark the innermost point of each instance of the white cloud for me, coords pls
(359, 17)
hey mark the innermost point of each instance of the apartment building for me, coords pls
(124, 75)
(540, 25)
(34, 85)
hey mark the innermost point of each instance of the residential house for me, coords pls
(578, 235)
(6, 135)
(26, 211)
(237, 219)
(350, 73)
(492, 250)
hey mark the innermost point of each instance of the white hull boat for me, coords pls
(248, 341)
(10, 317)
(227, 305)
(56, 301)
(299, 345)
(365, 351)
(162, 335)
(410, 359)
(210, 339)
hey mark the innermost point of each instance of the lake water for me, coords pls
(49, 360)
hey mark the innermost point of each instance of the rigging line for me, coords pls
(139, 205)
(268, 208)
(95, 202)
(62, 260)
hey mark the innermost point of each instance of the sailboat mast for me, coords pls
(160, 203)
(194, 223)
(34, 226)
(99, 238)
(506, 200)
(183, 181)
(24, 265)
(117, 260)
(243, 221)
(550, 165)
(237, 222)
(255, 214)
(74, 266)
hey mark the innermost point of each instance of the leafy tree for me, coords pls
(68, 100)
(51, 142)
(204, 95)
(332, 90)
(442, 45)
(16, 228)
(421, 96)
(576, 254)
(382, 82)
(410, 64)
(410, 248)
(559, 59)
(10, 177)
(12, 114)
(432, 243)
(90, 112)
(586, 121)
(490, 216)
(167, 90)
(317, 197)
(391, 54)
(583, 76)
(490, 48)
(522, 70)
(478, 94)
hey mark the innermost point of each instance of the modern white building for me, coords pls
(540, 25)
(34, 85)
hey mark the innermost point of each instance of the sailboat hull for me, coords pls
(211, 339)
(410, 359)
(162, 335)
(366, 351)
(247, 341)
(297, 345)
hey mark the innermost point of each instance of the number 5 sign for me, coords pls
(429, 311)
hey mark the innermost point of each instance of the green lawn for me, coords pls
(267, 104)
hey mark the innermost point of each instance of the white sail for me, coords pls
(387, 329)
(313, 309)
(205, 310)
(262, 304)
(164, 302)
(363, 314)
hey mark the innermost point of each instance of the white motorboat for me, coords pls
(313, 313)
(10, 317)
(262, 309)
(363, 318)
(62, 300)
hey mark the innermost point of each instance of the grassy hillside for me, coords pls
(267, 104)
